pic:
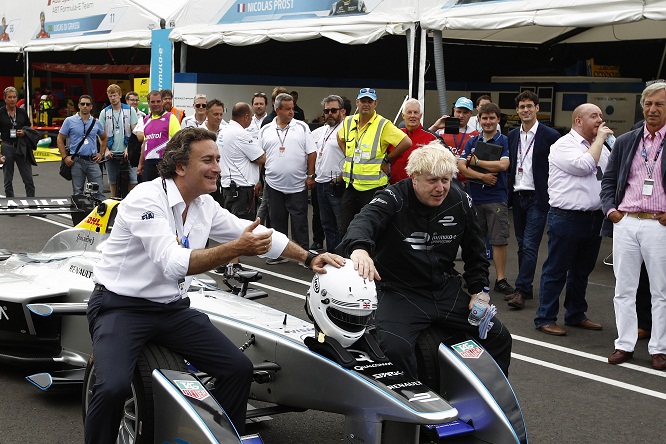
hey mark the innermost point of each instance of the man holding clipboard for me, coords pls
(484, 163)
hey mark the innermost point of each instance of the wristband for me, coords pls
(476, 163)
(311, 255)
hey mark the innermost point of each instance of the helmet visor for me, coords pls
(348, 322)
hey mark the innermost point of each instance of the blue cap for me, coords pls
(367, 92)
(464, 102)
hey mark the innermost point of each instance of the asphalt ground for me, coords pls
(567, 390)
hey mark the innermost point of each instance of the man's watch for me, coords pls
(312, 176)
(311, 255)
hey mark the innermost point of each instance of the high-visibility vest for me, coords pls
(364, 154)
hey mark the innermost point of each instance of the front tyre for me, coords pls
(137, 423)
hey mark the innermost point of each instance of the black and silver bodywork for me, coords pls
(43, 297)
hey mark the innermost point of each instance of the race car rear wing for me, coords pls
(45, 205)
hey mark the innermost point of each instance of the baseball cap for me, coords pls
(367, 92)
(464, 102)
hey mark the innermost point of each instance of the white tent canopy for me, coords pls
(539, 21)
(71, 25)
(206, 23)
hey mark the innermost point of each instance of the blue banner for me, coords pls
(161, 60)
(265, 10)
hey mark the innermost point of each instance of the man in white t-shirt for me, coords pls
(199, 117)
(328, 168)
(259, 104)
(241, 157)
(290, 170)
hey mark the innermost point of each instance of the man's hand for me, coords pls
(20, 133)
(364, 265)
(662, 219)
(98, 157)
(139, 169)
(616, 216)
(108, 154)
(319, 261)
(257, 189)
(253, 244)
(603, 132)
(310, 183)
(489, 178)
(69, 161)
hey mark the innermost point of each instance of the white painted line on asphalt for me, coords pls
(582, 354)
(51, 221)
(281, 276)
(613, 382)
(278, 290)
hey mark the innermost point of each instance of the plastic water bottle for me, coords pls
(480, 306)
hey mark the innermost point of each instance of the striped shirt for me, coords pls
(634, 201)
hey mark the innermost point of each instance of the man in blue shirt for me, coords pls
(83, 161)
(487, 186)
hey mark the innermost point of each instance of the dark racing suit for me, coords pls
(414, 247)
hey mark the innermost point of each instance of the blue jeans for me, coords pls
(528, 222)
(329, 213)
(86, 171)
(573, 247)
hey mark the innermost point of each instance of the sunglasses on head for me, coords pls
(367, 90)
(199, 105)
(259, 94)
(331, 110)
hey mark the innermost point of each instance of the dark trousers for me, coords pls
(352, 203)
(120, 326)
(240, 202)
(150, 169)
(13, 157)
(285, 207)
(329, 212)
(317, 229)
(402, 316)
(573, 247)
(528, 222)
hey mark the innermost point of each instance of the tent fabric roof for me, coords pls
(539, 21)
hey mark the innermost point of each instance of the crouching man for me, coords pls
(406, 239)
(157, 244)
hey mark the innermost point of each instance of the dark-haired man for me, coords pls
(143, 276)
(529, 147)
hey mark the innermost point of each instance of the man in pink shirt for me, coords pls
(634, 200)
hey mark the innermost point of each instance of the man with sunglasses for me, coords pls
(328, 169)
(199, 116)
(83, 155)
(365, 138)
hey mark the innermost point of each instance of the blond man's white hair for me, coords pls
(433, 158)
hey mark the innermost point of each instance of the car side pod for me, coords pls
(476, 386)
(185, 411)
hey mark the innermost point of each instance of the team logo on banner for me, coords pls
(468, 349)
(193, 389)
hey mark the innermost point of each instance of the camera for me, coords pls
(91, 188)
(451, 125)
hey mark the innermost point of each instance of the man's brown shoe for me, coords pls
(659, 361)
(643, 334)
(517, 301)
(587, 325)
(620, 356)
(552, 329)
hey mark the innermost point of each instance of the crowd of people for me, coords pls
(402, 204)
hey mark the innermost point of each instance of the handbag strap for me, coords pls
(85, 136)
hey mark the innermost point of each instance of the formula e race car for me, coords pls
(461, 397)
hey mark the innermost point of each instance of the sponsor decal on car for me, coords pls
(80, 271)
(468, 349)
(192, 389)
(3, 313)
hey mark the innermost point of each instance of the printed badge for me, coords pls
(468, 349)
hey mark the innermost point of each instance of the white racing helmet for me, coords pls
(341, 303)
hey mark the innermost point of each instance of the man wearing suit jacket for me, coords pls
(529, 147)
(633, 198)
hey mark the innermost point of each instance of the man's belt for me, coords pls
(526, 193)
(90, 158)
(239, 188)
(645, 215)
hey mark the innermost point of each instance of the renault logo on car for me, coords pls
(3, 313)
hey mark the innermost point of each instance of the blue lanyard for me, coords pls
(650, 168)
